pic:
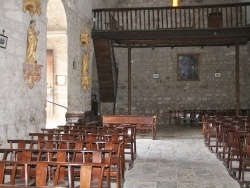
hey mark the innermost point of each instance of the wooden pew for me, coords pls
(23, 144)
(142, 123)
(60, 155)
(133, 124)
(90, 173)
(117, 156)
(67, 131)
(71, 136)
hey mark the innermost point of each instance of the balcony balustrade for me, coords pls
(169, 18)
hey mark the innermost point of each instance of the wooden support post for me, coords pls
(237, 70)
(129, 79)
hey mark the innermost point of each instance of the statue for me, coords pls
(31, 43)
(31, 70)
(85, 64)
(85, 41)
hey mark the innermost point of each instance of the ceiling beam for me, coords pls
(186, 42)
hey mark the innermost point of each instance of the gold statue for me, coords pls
(31, 70)
(85, 41)
(31, 43)
(86, 82)
(85, 38)
(85, 64)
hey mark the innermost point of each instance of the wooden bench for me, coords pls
(60, 155)
(71, 136)
(90, 173)
(117, 156)
(141, 123)
(104, 152)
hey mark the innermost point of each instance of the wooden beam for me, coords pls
(187, 42)
(129, 79)
(173, 34)
(237, 70)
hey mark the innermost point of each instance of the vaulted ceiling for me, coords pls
(56, 16)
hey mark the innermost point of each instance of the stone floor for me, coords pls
(177, 158)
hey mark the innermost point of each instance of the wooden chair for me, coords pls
(23, 144)
(227, 142)
(117, 164)
(62, 175)
(98, 157)
(237, 153)
(129, 143)
(173, 117)
(26, 180)
(196, 118)
(219, 137)
(166, 117)
(187, 118)
(245, 181)
(25, 155)
(181, 115)
(211, 133)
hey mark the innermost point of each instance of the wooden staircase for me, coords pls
(105, 69)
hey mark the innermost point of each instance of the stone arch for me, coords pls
(57, 43)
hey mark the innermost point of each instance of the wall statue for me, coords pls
(31, 43)
(85, 64)
(31, 70)
(85, 41)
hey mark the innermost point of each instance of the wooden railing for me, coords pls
(182, 17)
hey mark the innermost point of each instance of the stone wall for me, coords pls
(22, 109)
(153, 96)
(78, 99)
(79, 16)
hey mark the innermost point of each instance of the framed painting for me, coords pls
(3, 41)
(188, 68)
(60, 80)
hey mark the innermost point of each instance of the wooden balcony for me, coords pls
(211, 25)
(221, 24)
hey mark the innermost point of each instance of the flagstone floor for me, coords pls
(177, 158)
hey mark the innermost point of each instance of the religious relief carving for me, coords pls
(33, 6)
(32, 73)
(86, 80)
(85, 64)
(85, 39)
(31, 70)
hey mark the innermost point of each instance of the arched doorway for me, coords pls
(57, 66)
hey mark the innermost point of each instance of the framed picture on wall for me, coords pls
(188, 67)
(60, 80)
(3, 41)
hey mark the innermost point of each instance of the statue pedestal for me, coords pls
(32, 72)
